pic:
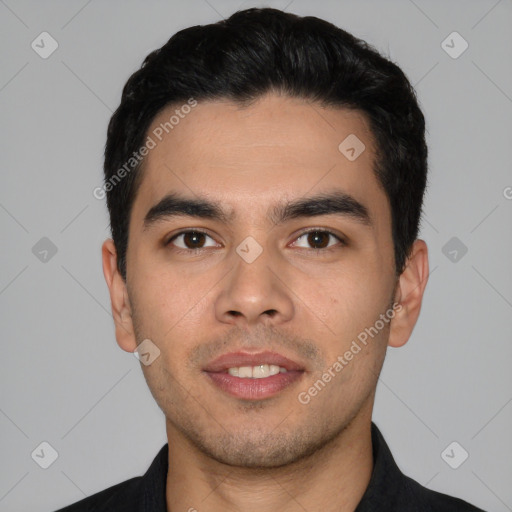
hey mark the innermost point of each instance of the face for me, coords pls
(245, 274)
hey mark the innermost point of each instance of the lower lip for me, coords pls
(254, 389)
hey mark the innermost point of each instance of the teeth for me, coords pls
(256, 372)
(245, 371)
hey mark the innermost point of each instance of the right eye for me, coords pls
(190, 240)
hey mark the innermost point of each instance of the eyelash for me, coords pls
(180, 250)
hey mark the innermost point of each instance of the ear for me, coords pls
(409, 294)
(121, 309)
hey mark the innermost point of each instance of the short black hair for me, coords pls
(257, 51)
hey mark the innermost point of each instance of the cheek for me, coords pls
(164, 294)
(172, 310)
(352, 304)
(353, 297)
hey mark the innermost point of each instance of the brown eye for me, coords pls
(319, 239)
(190, 240)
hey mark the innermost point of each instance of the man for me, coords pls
(264, 177)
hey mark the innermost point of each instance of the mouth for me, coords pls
(253, 376)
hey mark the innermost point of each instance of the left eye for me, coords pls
(319, 238)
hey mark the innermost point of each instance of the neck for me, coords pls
(334, 478)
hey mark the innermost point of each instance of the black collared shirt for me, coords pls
(389, 490)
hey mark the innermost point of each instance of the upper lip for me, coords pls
(237, 359)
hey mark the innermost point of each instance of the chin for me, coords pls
(264, 450)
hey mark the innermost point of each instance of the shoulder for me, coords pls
(145, 492)
(122, 496)
(389, 489)
(427, 500)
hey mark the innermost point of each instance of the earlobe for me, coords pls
(121, 309)
(409, 294)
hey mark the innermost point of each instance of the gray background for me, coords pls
(63, 378)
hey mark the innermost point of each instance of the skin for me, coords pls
(228, 454)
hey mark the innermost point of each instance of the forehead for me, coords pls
(254, 156)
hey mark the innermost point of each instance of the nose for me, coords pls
(255, 293)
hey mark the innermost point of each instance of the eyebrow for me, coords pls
(327, 203)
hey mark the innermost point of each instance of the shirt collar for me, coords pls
(387, 485)
(155, 482)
